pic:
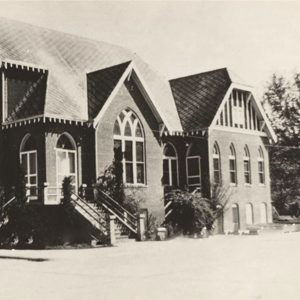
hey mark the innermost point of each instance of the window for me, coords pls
(28, 160)
(261, 166)
(232, 166)
(66, 159)
(129, 136)
(235, 217)
(247, 166)
(216, 164)
(249, 214)
(193, 166)
(170, 174)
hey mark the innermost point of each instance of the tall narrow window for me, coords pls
(28, 159)
(216, 164)
(261, 166)
(193, 166)
(66, 160)
(232, 166)
(170, 174)
(247, 166)
(129, 136)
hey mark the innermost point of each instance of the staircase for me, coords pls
(4, 208)
(97, 207)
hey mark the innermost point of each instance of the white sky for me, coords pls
(253, 39)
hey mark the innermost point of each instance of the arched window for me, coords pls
(232, 166)
(193, 166)
(247, 166)
(66, 159)
(129, 137)
(249, 214)
(170, 166)
(28, 160)
(261, 166)
(216, 164)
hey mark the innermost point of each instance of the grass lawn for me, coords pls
(221, 267)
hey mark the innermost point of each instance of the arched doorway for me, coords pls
(193, 166)
(263, 213)
(28, 160)
(66, 160)
(249, 214)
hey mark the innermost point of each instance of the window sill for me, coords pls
(135, 185)
(248, 184)
(233, 184)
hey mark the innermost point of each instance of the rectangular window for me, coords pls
(166, 173)
(247, 173)
(261, 175)
(232, 171)
(217, 175)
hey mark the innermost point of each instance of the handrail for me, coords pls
(95, 211)
(8, 202)
(120, 219)
(117, 212)
(117, 204)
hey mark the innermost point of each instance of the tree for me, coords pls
(282, 100)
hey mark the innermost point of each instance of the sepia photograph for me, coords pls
(149, 150)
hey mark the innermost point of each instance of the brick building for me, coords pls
(67, 102)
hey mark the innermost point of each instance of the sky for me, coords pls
(253, 39)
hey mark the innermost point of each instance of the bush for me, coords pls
(191, 212)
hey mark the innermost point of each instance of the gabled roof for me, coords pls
(100, 85)
(199, 96)
(68, 59)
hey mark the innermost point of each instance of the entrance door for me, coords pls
(66, 160)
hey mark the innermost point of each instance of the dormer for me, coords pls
(23, 88)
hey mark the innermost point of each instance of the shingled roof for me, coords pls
(199, 96)
(68, 59)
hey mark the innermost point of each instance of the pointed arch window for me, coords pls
(28, 160)
(129, 137)
(193, 166)
(170, 166)
(261, 166)
(216, 164)
(232, 166)
(247, 166)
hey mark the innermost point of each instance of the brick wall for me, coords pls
(129, 97)
(242, 193)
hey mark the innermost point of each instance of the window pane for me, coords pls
(169, 151)
(232, 165)
(32, 163)
(217, 177)
(72, 162)
(216, 164)
(129, 172)
(140, 173)
(138, 131)
(32, 180)
(235, 214)
(247, 178)
(260, 166)
(24, 163)
(139, 151)
(62, 162)
(174, 172)
(232, 177)
(29, 144)
(64, 143)
(193, 166)
(166, 172)
(247, 165)
(261, 178)
(128, 151)
(127, 130)
(194, 181)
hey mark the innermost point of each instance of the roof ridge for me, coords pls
(201, 73)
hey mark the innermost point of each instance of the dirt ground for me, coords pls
(220, 267)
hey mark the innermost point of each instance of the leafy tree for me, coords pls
(282, 100)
